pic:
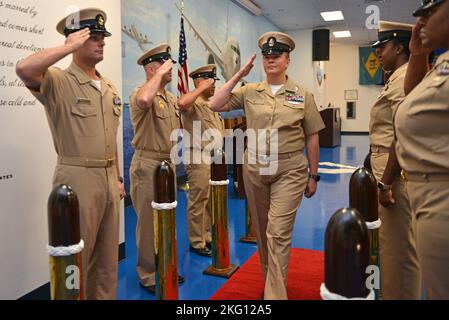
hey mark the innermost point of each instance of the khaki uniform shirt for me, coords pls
(154, 125)
(292, 111)
(422, 123)
(381, 124)
(209, 119)
(83, 120)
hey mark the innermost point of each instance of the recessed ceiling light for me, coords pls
(342, 34)
(332, 15)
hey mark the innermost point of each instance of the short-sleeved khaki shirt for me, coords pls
(83, 120)
(202, 114)
(422, 123)
(381, 123)
(292, 111)
(154, 125)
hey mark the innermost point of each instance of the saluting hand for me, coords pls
(77, 39)
(206, 84)
(416, 47)
(165, 68)
(248, 66)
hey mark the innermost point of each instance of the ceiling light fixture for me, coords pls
(249, 6)
(332, 15)
(342, 34)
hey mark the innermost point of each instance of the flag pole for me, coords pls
(185, 185)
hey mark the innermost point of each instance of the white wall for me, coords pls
(342, 72)
(27, 155)
(301, 69)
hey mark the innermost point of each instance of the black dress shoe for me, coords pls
(150, 289)
(205, 252)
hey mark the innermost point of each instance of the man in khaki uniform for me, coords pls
(397, 239)
(154, 115)
(276, 104)
(197, 118)
(83, 111)
(422, 146)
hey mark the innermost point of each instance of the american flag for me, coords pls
(183, 75)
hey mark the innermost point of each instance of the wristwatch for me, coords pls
(383, 187)
(315, 177)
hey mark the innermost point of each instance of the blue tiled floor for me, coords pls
(308, 233)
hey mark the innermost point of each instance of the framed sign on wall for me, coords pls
(351, 95)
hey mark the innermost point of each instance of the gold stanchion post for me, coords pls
(165, 247)
(250, 233)
(221, 266)
(65, 245)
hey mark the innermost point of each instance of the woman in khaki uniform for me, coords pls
(422, 146)
(287, 114)
(397, 240)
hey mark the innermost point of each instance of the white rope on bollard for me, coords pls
(65, 251)
(374, 225)
(219, 183)
(337, 165)
(164, 206)
(327, 295)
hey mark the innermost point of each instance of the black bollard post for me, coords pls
(346, 257)
(367, 162)
(363, 196)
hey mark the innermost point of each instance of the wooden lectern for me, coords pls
(331, 135)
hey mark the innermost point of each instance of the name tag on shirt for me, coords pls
(82, 100)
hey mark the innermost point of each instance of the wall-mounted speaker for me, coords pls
(320, 45)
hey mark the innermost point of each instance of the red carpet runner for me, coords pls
(306, 273)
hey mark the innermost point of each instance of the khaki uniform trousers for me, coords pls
(198, 209)
(141, 175)
(99, 207)
(273, 201)
(399, 267)
(430, 202)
